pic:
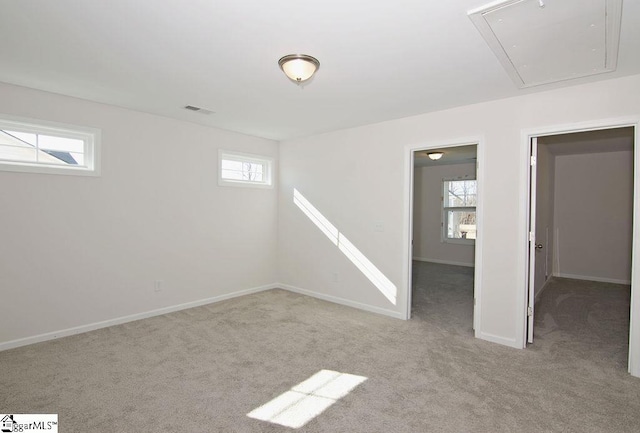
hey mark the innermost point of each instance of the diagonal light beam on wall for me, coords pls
(316, 217)
(368, 269)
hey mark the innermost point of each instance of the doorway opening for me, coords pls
(581, 250)
(444, 233)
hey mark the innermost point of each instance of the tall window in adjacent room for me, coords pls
(459, 210)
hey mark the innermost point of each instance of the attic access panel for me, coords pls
(545, 41)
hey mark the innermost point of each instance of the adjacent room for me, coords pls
(583, 251)
(315, 216)
(445, 195)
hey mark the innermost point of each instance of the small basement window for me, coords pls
(37, 146)
(241, 169)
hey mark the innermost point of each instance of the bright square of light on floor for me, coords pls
(308, 399)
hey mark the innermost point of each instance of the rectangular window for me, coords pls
(459, 211)
(44, 147)
(241, 169)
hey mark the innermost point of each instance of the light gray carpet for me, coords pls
(584, 321)
(204, 369)
(443, 297)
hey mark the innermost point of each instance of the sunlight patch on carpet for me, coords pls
(308, 399)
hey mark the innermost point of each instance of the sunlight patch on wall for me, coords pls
(308, 399)
(316, 217)
(382, 283)
(386, 287)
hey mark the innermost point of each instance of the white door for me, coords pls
(532, 238)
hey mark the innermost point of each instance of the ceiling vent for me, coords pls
(197, 109)
(545, 41)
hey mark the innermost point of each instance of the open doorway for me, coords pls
(581, 249)
(444, 234)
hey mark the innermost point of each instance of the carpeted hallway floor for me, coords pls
(584, 322)
(204, 369)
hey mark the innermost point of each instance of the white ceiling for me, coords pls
(380, 59)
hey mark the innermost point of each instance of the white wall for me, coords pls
(79, 250)
(593, 216)
(545, 186)
(427, 215)
(358, 177)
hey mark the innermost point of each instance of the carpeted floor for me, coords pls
(443, 297)
(204, 369)
(584, 322)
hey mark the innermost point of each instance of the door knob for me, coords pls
(538, 246)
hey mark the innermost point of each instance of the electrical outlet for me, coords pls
(378, 226)
(157, 286)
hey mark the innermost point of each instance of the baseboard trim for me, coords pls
(342, 301)
(511, 342)
(544, 286)
(131, 318)
(443, 262)
(589, 278)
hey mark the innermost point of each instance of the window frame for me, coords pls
(91, 138)
(266, 161)
(444, 233)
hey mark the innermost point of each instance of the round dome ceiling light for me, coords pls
(299, 67)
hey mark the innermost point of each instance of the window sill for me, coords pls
(459, 241)
(47, 169)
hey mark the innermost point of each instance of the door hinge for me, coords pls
(529, 311)
(532, 237)
(533, 160)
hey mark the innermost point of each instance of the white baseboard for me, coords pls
(443, 262)
(544, 286)
(133, 317)
(589, 278)
(511, 342)
(342, 301)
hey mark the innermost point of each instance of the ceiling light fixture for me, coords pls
(435, 155)
(299, 67)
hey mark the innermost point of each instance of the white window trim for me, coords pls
(90, 136)
(247, 157)
(444, 223)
